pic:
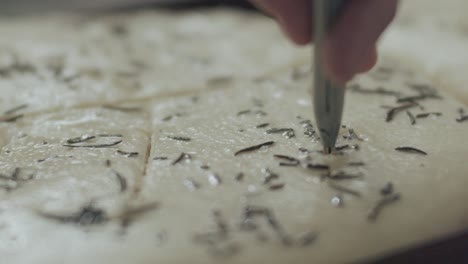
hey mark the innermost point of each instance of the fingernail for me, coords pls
(343, 62)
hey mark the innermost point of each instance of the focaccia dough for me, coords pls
(64, 61)
(430, 186)
(54, 174)
(190, 96)
(432, 36)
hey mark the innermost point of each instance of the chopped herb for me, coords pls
(344, 189)
(160, 158)
(69, 79)
(170, 117)
(87, 216)
(94, 146)
(418, 98)
(119, 30)
(307, 239)
(426, 115)
(343, 176)
(123, 109)
(132, 213)
(240, 176)
(204, 167)
(122, 181)
(423, 88)
(262, 125)
(384, 202)
(345, 147)
(248, 222)
(276, 187)
(411, 117)
(260, 113)
(221, 224)
(379, 91)
(287, 158)
(356, 164)
(184, 139)
(269, 176)
(305, 122)
(128, 154)
(394, 111)
(244, 112)
(219, 80)
(81, 139)
(304, 150)
(108, 163)
(289, 161)
(351, 134)
(183, 156)
(15, 109)
(15, 174)
(287, 164)
(85, 138)
(215, 240)
(110, 135)
(462, 119)
(19, 67)
(311, 166)
(11, 119)
(167, 118)
(387, 189)
(411, 150)
(254, 148)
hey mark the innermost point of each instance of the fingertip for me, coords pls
(337, 68)
(334, 61)
(293, 17)
(370, 62)
(297, 36)
(351, 47)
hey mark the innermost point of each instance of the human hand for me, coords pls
(351, 46)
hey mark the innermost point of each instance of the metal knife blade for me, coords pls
(328, 96)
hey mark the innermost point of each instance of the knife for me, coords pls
(328, 96)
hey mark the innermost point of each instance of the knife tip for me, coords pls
(327, 150)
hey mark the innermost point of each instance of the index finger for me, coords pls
(293, 16)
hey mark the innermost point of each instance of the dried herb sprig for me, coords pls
(411, 150)
(381, 204)
(254, 148)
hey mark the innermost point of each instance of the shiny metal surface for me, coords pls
(328, 97)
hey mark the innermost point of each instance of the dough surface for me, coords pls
(135, 138)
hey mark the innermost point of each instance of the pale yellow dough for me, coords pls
(186, 92)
